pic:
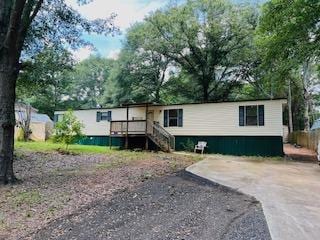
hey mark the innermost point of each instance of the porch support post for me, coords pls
(127, 140)
(146, 133)
(110, 138)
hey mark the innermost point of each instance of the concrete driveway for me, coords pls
(288, 191)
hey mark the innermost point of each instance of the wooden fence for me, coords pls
(305, 139)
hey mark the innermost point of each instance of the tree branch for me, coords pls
(173, 47)
(13, 27)
(29, 13)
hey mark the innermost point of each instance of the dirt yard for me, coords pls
(55, 185)
(175, 206)
(299, 153)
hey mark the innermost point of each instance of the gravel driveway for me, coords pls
(169, 207)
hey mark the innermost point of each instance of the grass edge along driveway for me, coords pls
(55, 185)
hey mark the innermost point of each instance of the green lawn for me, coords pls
(50, 147)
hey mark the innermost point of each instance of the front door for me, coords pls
(150, 115)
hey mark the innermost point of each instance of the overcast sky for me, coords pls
(128, 12)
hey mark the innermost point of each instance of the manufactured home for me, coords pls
(252, 127)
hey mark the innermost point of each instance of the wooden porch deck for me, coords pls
(130, 127)
(137, 128)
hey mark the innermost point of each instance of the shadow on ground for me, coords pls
(170, 207)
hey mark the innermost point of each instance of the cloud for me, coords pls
(82, 53)
(128, 11)
(114, 54)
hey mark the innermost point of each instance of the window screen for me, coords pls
(104, 116)
(251, 115)
(173, 118)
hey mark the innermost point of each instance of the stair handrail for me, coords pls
(170, 137)
(156, 131)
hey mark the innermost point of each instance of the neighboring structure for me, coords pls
(41, 125)
(238, 128)
(285, 134)
(316, 124)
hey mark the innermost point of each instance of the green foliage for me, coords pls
(43, 82)
(51, 147)
(210, 41)
(68, 130)
(196, 51)
(88, 82)
(140, 72)
(188, 145)
(288, 41)
(317, 99)
(53, 81)
(199, 50)
(45, 51)
(58, 24)
(290, 29)
(120, 161)
(27, 197)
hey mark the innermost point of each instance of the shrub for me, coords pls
(68, 130)
(188, 146)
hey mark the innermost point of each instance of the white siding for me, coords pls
(222, 119)
(210, 119)
(93, 128)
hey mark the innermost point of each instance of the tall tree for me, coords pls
(89, 79)
(289, 32)
(29, 25)
(140, 72)
(209, 40)
(43, 83)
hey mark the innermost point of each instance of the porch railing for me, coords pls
(133, 126)
(153, 130)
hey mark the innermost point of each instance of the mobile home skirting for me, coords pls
(230, 145)
(236, 145)
(101, 141)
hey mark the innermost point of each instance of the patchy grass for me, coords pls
(113, 164)
(256, 159)
(29, 198)
(51, 147)
(3, 224)
(146, 175)
(55, 185)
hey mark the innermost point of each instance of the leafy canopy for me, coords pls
(140, 73)
(209, 40)
(58, 24)
(290, 30)
(68, 130)
(88, 82)
(43, 82)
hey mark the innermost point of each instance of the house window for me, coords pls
(104, 116)
(57, 117)
(173, 118)
(251, 115)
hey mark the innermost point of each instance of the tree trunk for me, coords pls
(27, 130)
(306, 118)
(8, 76)
(290, 107)
(305, 83)
(15, 19)
(205, 89)
(157, 95)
